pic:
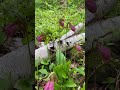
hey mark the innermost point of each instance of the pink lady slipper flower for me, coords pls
(61, 22)
(78, 47)
(40, 38)
(72, 27)
(49, 85)
(105, 53)
(10, 29)
(91, 5)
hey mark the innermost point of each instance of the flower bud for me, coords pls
(72, 27)
(91, 5)
(78, 47)
(61, 22)
(105, 53)
(40, 38)
(10, 29)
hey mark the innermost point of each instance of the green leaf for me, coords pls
(23, 84)
(2, 37)
(4, 84)
(63, 87)
(80, 70)
(37, 62)
(83, 88)
(51, 66)
(57, 86)
(43, 71)
(57, 70)
(60, 58)
(67, 66)
(109, 80)
(45, 62)
(64, 74)
(70, 83)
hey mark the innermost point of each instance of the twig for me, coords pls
(117, 80)
(94, 71)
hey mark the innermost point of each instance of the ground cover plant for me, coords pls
(103, 61)
(16, 23)
(16, 30)
(61, 70)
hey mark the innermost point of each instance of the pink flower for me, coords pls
(91, 5)
(10, 29)
(105, 52)
(61, 22)
(40, 38)
(49, 86)
(72, 27)
(78, 47)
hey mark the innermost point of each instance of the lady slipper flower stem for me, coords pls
(72, 27)
(61, 22)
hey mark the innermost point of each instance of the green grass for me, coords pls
(46, 19)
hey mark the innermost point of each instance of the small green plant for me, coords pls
(64, 74)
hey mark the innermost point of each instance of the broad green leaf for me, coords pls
(70, 83)
(2, 37)
(37, 62)
(63, 87)
(4, 84)
(67, 66)
(58, 69)
(64, 74)
(43, 71)
(45, 62)
(23, 84)
(57, 86)
(51, 66)
(80, 70)
(60, 58)
(83, 88)
(109, 80)
(111, 87)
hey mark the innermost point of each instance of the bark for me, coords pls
(103, 7)
(66, 44)
(78, 28)
(17, 63)
(105, 31)
(67, 41)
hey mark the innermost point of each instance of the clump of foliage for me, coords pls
(64, 75)
(16, 16)
(102, 62)
(47, 15)
(61, 70)
(23, 11)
